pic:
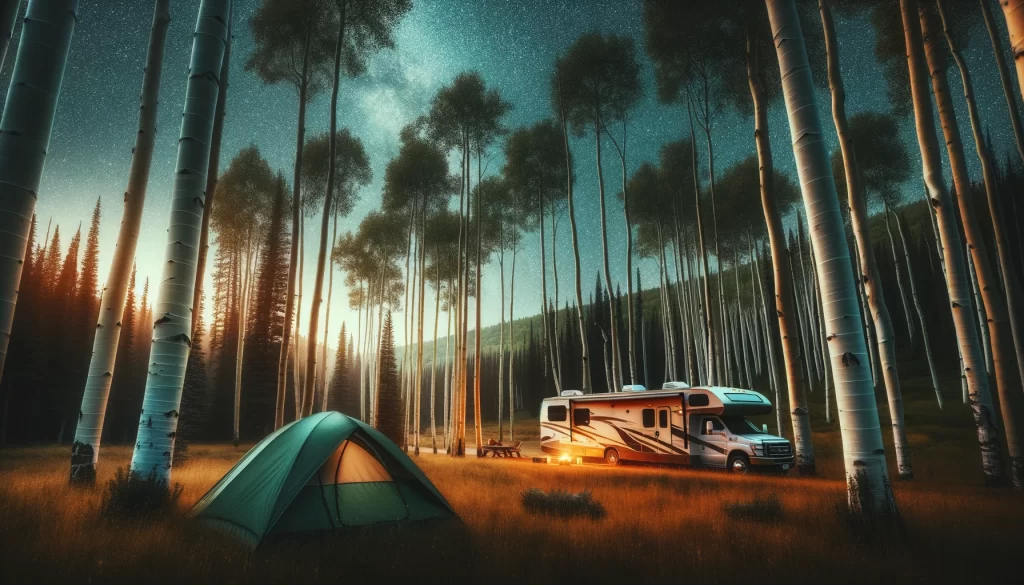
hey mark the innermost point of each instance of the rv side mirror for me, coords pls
(764, 428)
(708, 427)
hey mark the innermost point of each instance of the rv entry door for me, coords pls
(664, 432)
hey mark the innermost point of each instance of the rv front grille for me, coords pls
(778, 449)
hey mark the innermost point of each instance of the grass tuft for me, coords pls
(129, 495)
(559, 502)
(765, 508)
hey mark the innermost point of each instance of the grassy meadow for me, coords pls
(661, 525)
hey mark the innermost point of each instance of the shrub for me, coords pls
(562, 503)
(129, 495)
(763, 508)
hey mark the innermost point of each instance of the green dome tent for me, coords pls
(323, 472)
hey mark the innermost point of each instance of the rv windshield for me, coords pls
(738, 425)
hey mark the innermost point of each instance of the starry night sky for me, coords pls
(512, 43)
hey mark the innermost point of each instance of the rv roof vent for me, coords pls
(571, 393)
(633, 388)
(675, 385)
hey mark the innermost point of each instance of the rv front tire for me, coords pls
(738, 463)
(611, 457)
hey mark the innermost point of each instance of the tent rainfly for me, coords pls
(323, 472)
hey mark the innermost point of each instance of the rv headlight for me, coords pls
(757, 449)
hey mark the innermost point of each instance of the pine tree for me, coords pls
(340, 395)
(266, 321)
(50, 268)
(195, 398)
(391, 410)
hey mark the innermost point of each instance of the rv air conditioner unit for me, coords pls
(633, 388)
(675, 385)
(571, 393)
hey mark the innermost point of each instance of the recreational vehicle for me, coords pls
(676, 425)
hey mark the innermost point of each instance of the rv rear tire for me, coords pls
(738, 463)
(611, 457)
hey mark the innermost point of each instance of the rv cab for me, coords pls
(677, 425)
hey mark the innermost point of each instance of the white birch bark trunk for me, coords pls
(584, 345)
(867, 478)
(941, 203)
(25, 138)
(869, 276)
(1011, 278)
(917, 302)
(296, 235)
(172, 329)
(86, 449)
(986, 281)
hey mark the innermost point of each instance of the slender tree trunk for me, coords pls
(25, 138)
(614, 381)
(544, 297)
(869, 276)
(447, 367)
(1007, 383)
(630, 326)
(293, 264)
(773, 370)
(512, 350)
(325, 389)
(917, 303)
(321, 262)
(784, 309)
(86, 449)
(501, 331)
(585, 350)
(941, 203)
(1005, 80)
(8, 17)
(172, 330)
(899, 282)
(433, 359)
(709, 325)
(554, 274)
(1013, 12)
(419, 333)
(478, 356)
(1011, 279)
(867, 478)
(214, 173)
(243, 319)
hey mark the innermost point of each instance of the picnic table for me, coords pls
(496, 449)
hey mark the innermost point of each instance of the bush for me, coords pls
(763, 508)
(562, 503)
(129, 495)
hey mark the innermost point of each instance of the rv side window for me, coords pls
(648, 418)
(556, 413)
(581, 416)
(698, 400)
(663, 419)
(715, 425)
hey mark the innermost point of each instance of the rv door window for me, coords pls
(663, 418)
(648, 418)
(581, 416)
(556, 413)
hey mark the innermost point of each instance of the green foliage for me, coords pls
(351, 171)
(390, 407)
(129, 495)
(562, 503)
(600, 80)
(881, 157)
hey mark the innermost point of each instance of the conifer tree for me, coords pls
(390, 413)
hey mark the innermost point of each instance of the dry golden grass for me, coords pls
(662, 525)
